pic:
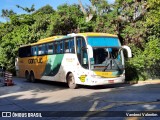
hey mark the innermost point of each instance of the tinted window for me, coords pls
(61, 46)
(56, 47)
(50, 48)
(41, 49)
(72, 50)
(82, 52)
(66, 45)
(25, 51)
(34, 50)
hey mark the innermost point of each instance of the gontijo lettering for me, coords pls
(33, 61)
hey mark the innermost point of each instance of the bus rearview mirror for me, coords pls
(128, 49)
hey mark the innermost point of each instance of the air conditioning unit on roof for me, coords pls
(72, 34)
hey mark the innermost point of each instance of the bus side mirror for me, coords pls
(90, 51)
(128, 49)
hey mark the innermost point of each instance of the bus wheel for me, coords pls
(71, 81)
(27, 76)
(32, 78)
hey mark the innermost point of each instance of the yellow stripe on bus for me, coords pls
(104, 74)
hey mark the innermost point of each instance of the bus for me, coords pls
(77, 59)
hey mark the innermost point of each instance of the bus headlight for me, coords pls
(122, 75)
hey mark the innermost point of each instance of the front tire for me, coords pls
(71, 81)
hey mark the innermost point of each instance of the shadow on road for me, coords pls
(51, 96)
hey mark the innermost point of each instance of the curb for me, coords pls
(144, 82)
(150, 82)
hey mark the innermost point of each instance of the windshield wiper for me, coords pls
(110, 62)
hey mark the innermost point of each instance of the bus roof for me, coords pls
(53, 38)
(58, 37)
(96, 34)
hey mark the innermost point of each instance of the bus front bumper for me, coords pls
(93, 81)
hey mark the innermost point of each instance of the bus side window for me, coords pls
(53, 48)
(34, 50)
(66, 46)
(56, 49)
(46, 48)
(25, 51)
(61, 46)
(43, 49)
(72, 50)
(79, 45)
(50, 48)
(40, 50)
(85, 54)
(82, 52)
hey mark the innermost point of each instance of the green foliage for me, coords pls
(135, 66)
(65, 20)
(29, 10)
(145, 63)
(136, 24)
(45, 10)
(141, 32)
(7, 13)
(152, 52)
(101, 6)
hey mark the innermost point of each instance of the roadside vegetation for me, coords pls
(136, 22)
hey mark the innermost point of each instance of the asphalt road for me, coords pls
(115, 100)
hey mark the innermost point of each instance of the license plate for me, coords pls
(111, 81)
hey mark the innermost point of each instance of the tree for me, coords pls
(141, 32)
(7, 13)
(152, 47)
(87, 12)
(29, 10)
(45, 10)
(135, 22)
(65, 20)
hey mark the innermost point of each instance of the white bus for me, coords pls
(77, 59)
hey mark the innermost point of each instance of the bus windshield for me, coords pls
(107, 55)
(103, 41)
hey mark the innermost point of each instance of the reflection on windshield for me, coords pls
(106, 59)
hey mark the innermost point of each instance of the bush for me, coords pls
(145, 64)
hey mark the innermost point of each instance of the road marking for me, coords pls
(113, 104)
(93, 107)
(108, 107)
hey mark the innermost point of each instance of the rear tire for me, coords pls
(71, 81)
(27, 76)
(32, 78)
